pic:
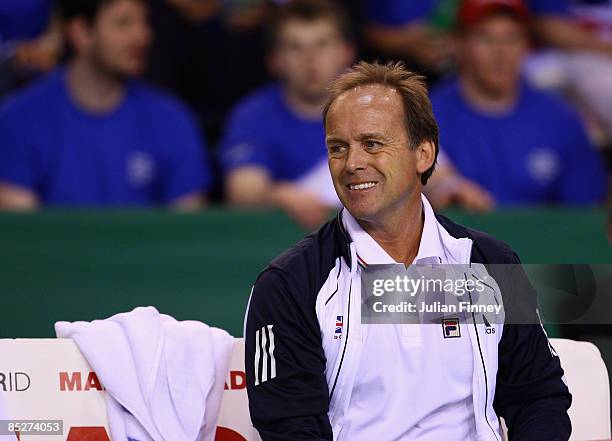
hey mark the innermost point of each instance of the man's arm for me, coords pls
(251, 186)
(190, 202)
(248, 185)
(285, 362)
(14, 197)
(403, 28)
(447, 187)
(416, 40)
(531, 394)
(564, 33)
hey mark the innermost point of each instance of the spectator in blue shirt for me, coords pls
(521, 145)
(91, 135)
(418, 30)
(273, 150)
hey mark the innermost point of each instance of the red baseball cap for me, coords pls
(473, 11)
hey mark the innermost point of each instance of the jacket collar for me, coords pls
(431, 247)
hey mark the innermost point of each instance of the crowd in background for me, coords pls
(184, 102)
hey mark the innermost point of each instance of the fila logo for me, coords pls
(265, 364)
(450, 328)
(339, 327)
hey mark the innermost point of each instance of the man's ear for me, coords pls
(274, 63)
(425, 156)
(78, 33)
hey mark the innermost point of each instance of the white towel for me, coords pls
(164, 378)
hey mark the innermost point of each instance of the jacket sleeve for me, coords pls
(531, 394)
(285, 362)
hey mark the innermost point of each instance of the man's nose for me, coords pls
(310, 54)
(356, 159)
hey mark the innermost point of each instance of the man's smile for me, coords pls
(361, 186)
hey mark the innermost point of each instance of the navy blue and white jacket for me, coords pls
(299, 379)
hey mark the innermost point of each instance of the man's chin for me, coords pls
(129, 71)
(361, 210)
(498, 88)
(134, 72)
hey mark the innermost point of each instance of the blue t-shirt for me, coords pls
(264, 132)
(23, 19)
(147, 151)
(548, 6)
(536, 153)
(399, 12)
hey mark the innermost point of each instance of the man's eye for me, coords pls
(335, 148)
(372, 144)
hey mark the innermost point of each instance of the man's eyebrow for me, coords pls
(332, 139)
(373, 135)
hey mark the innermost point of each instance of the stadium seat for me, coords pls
(234, 422)
(587, 379)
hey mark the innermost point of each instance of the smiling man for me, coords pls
(316, 372)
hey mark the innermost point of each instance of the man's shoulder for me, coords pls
(261, 103)
(307, 265)
(486, 248)
(165, 106)
(445, 94)
(33, 97)
(314, 251)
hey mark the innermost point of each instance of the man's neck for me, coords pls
(488, 101)
(92, 89)
(302, 107)
(399, 234)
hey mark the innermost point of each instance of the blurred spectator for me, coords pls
(417, 30)
(577, 44)
(30, 40)
(555, 25)
(202, 50)
(89, 134)
(406, 29)
(530, 147)
(273, 151)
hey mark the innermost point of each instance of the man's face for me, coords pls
(492, 52)
(375, 172)
(310, 54)
(119, 38)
